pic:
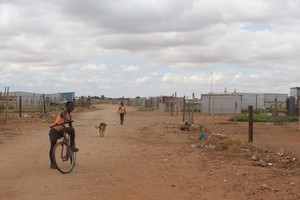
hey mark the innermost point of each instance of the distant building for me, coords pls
(263, 100)
(69, 96)
(221, 103)
(34, 99)
(27, 98)
(293, 103)
(295, 92)
(236, 102)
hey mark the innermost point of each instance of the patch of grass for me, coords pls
(265, 118)
(147, 109)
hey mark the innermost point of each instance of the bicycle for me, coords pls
(63, 156)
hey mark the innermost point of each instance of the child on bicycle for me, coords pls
(57, 131)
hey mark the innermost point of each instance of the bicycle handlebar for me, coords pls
(63, 124)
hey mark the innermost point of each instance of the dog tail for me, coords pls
(97, 126)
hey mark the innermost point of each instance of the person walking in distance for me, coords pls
(122, 112)
(57, 131)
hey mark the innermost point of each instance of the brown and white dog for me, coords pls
(101, 127)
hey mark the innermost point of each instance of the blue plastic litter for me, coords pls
(202, 136)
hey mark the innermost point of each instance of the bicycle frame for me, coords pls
(64, 157)
(66, 139)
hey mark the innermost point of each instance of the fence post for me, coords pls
(213, 111)
(20, 106)
(250, 111)
(189, 110)
(172, 105)
(2, 103)
(275, 111)
(193, 108)
(298, 114)
(235, 110)
(6, 107)
(176, 106)
(183, 109)
(44, 102)
(169, 105)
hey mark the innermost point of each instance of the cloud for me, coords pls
(187, 79)
(130, 68)
(256, 27)
(12, 68)
(93, 67)
(142, 79)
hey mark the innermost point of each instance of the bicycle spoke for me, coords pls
(63, 158)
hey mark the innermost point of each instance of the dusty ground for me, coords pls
(150, 158)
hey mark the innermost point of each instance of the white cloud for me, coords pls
(130, 68)
(93, 67)
(169, 77)
(12, 68)
(142, 79)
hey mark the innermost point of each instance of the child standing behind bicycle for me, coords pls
(57, 131)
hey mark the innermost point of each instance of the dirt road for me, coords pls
(146, 158)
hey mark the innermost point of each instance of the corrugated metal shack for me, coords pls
(292, 103)
(35, 99)
(220, 103)
(263, 100)
(236, 102)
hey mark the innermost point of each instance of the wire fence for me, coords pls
(38, 104)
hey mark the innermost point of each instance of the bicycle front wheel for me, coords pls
(63, 157)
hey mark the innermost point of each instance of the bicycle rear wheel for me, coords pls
(63, 157)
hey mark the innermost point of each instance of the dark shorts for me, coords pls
(55, 135)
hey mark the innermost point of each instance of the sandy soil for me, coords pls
(149, 157)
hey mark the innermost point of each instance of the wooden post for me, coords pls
(169, 105)
(298, 114)
(256, 104)
(6, 106)
(250, 112)
(235, 110)
(44, 103)
(193, 108)
(213, 110)
(2, 103)
(32, 100)
(275, 111)
(176, 106)
(209, 104)
(172, 105)
(183, 109)
(189, 109)
(20, 106)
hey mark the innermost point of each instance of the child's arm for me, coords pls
(64, 114)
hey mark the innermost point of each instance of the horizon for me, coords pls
(118, 48)
(124, 97)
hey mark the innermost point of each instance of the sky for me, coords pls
(146, 48)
